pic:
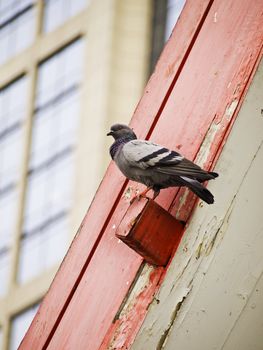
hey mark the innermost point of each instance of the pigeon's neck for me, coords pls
(119, 144)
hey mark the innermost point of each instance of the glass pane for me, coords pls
(10, 162)
(10, 8)
(60, 74)
(174, 8)
(54, 129)
(19, 326)
(8, 209)
(4, 39)
(41, 250)
(48, 73)
(17, 33)
(4, 271)
(25, 31)
(56, 12)
(13, 102)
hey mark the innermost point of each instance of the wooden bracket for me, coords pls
(151, 231)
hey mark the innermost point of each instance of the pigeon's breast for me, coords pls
(115, 147)
(130, 171)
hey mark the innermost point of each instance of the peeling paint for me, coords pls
(231, 109)
(198, 252)
(174, 314)
(215, 17)
(204, 151)
(130, 191)
(133, 307)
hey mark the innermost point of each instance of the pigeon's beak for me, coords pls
(110, 133)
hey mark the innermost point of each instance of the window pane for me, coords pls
(55, 129)
(8, 210)
(19, 326)
(43, 249)
(59, 74)
(17, 27)
(51, 165)
(9, 160)
(13, 104)
(56, 12)
(10, 8)
(49, 192)
(4, 271)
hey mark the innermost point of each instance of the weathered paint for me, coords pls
(178, 96)
(217, 270)
(236, 268)
(151, 231)
(129, 319)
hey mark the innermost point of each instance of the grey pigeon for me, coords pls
(156, 166)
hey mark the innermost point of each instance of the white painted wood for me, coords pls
(212, 295)
(248, 331)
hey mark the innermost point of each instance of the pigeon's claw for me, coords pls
(140, 195)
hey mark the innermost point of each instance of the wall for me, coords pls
(211, 297)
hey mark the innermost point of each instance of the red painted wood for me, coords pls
(122, 331)
(111, 188)
(150, 231)
(220, 61)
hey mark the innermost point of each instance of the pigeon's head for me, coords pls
(120, 130)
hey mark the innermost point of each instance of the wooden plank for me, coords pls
(198, 118)
(239, 80)
(206, 237)
(111, 188)
(233, 273)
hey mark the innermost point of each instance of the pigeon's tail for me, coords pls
(213, 174)
(196, 187)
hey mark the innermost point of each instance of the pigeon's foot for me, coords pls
(141, 195)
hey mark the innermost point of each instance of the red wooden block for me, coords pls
(151, 231)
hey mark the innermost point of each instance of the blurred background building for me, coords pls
(68, 70)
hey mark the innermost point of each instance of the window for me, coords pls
(19, 325)
(12, 115)
(56, 12)
(17, 27)
(50, 172)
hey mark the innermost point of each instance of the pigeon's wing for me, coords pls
(185, 168)
(146, 154)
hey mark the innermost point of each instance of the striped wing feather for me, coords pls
(146, 154)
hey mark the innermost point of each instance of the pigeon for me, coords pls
(156, 166)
